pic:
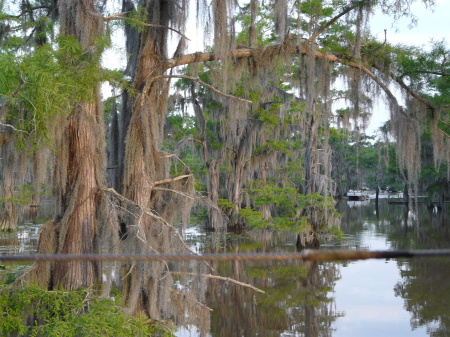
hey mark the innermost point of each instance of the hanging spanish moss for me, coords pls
(79, 169)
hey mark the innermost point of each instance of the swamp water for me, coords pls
(397, 297)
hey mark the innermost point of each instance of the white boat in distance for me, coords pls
(358, 195)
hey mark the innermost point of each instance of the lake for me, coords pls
(396, 297)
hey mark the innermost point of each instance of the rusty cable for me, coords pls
(307, 255)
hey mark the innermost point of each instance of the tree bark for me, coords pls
(8, 210)
(79, 170)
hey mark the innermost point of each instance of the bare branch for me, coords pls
(445, 133)
(165, 181)
(12, 127)
(333, 20)
(430, 72)
(174, 191)
(196, 79)
(183, 296)
(155, 216)
(226, 279)
(121, 16)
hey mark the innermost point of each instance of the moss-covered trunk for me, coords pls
(79, 168)
(8, 210)
(144, 165)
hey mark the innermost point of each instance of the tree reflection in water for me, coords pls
(424, 284)
(425, 287)
(296, 302)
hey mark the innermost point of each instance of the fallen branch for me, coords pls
(226, 279)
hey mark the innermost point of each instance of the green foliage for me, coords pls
(178, 127)
(225, 205)
(22, 195)
(48, 82)
(289, 207)
(268, 117)
(263, 26)
(32, 311)
(138, 18)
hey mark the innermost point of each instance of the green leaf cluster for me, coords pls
(47, 82)
(288, 207)
(33, 311)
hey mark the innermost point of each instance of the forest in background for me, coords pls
(248, 129)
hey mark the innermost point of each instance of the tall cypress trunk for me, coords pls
(215, 217)
(145, 287)
(8, 210)
(79, 168)
(143, 167)
(84, 162)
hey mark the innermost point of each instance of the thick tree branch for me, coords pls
(278, 49)
(409, 90)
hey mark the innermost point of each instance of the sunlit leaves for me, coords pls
(32, 311)
(38, 86)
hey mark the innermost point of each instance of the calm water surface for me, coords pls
(396, 297)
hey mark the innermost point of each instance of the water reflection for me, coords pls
(416, 303)
(362, 298)
(425, 287)
(25, 239)
(296, 302)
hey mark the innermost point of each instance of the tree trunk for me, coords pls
(265, 209)
(215, 216)
(79, 170)
(148, 287)
(237, 182)
(8, 210)
(80, 199)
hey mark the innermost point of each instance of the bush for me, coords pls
(33, 311)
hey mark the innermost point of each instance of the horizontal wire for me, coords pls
(307, 255)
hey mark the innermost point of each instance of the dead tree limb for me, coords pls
(196, 79)
(221, 278)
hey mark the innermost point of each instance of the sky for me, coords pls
(432, 24)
